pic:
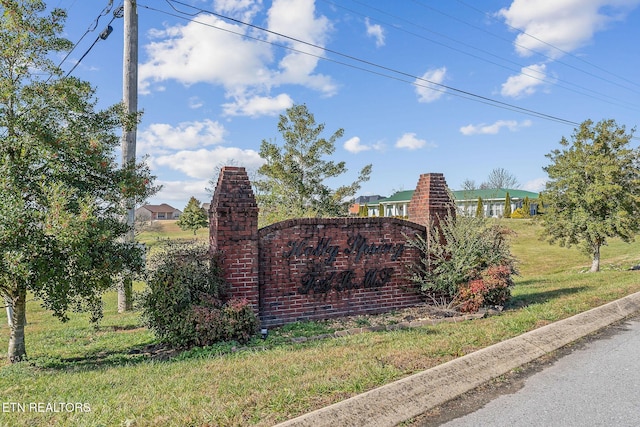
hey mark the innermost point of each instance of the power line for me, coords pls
(417, 80)
(102, 36)
(601, 97)
(91, 28)
(488, 15)
(549, 58)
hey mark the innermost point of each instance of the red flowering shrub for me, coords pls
(471, 296)
(493, 288)
(498, 282)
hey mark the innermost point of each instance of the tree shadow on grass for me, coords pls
(145, 353)
(521, 301)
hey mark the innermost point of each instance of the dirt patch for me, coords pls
(415, 315)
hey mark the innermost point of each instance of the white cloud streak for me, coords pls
(200, 164)
(376, 31)
(525, 83)
(558, 26)
(410, 141)
(492, 129)
(353, 145)
(427, 87)
(163, 137)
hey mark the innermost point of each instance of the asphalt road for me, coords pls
(597, 384)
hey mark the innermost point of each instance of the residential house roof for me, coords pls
(494, 193)
(461, 195)
(159, 208)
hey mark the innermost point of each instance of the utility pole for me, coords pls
(130, 100)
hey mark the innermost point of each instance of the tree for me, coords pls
(507, 206)
(468, 185)
(593, 191)
(480, 208)
(500, 178)
(526, 207)
(293, 182)
(61, 233)
(193, 217)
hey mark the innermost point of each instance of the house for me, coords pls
(157, 212)
(493, 200)
(354, 209)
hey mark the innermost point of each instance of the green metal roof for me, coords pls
(486, 194)
(494, 193)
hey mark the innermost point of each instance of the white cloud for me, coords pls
(297, 19)
(244, 10)
(177, 193)
(492, 129)
(565, 24)
(247, 69)
(258, 106)
(524, 83)
(375, 31)
(411, 142)
(196, 53)
(201, 163)
(162, 137)
(427, 87)
(353, 145)
(195, 103)
(535, 185)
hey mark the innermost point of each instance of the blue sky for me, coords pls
(456, 87)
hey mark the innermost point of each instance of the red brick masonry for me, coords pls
(315, 268)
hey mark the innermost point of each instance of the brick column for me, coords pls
(233, 233)
(431, 200)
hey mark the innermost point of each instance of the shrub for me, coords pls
(182, 303)
(518, 214)
(466, 259)
(493, 288)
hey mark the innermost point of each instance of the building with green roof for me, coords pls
(493, 201)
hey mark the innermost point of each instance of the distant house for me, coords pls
(354, 209)
(157, 212)
(493, 200)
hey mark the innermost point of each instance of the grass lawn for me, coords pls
(274, 380)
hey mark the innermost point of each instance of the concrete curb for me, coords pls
(409, 397)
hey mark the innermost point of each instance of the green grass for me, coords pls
(273, 380)
(163, 230)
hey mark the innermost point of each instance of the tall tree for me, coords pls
(480, 208)
(593, 191)
(60, 187)
(507, 206)
(500, 178)
(293, 182)
(526, 207)
(193, 216)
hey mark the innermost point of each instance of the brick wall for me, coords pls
(317, 268)
(233, 233)
(431, 200)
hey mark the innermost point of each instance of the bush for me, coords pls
(467, 260)
(492, 289)
(519, 214)
(182, 303)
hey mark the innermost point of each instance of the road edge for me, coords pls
(409, 397)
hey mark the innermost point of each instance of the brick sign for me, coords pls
(317, 268)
